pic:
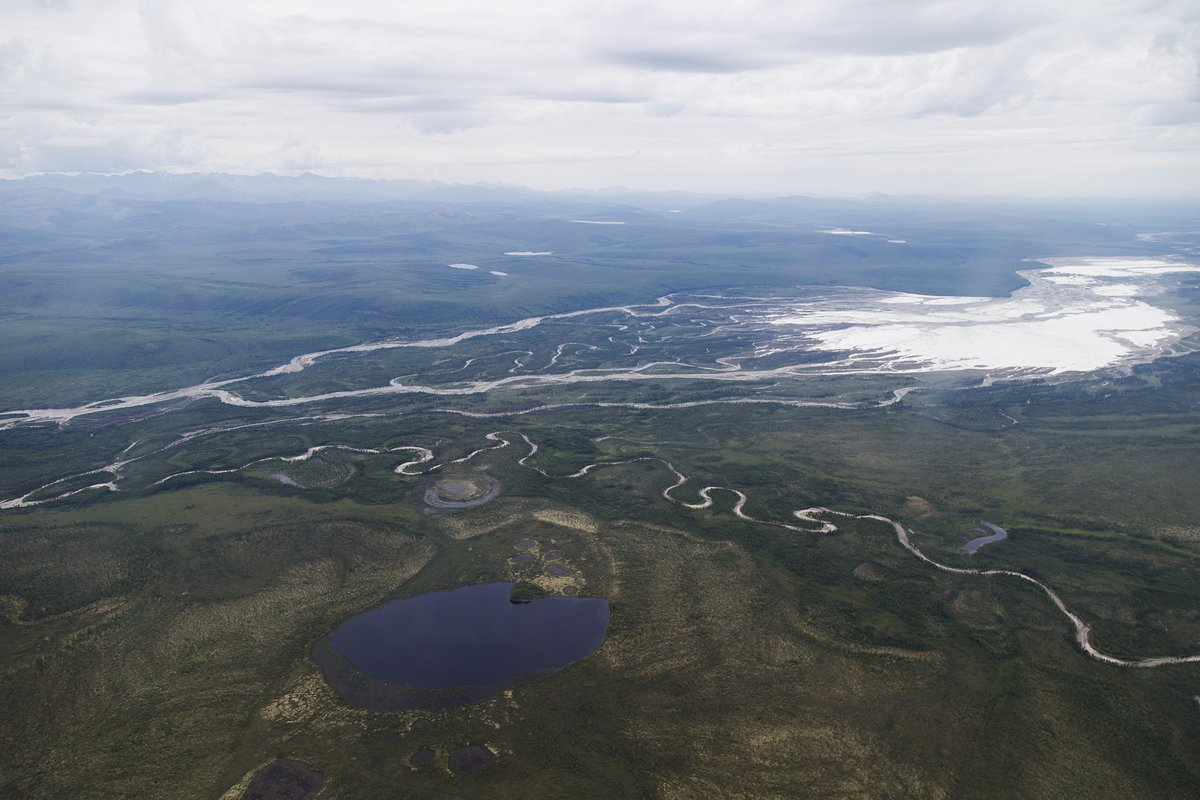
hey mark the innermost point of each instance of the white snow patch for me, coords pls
(845, 232)
(463, 266)
(498, 273)
(1117, 290)
(1116, 267)
(1078, 315)
(1068, 280)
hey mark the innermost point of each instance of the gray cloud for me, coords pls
(397, 104)
(875, 27)
(165, 97)
(584, 95)
(760, 95)
(684, 61)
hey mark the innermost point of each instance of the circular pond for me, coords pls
(472, 636)
(462, 492)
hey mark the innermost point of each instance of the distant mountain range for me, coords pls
(311, 187)
(614, 203)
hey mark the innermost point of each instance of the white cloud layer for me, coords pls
(823, 97)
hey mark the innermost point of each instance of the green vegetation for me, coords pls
(739, 655)
(526, 592)
(102, 296)
(157, 641)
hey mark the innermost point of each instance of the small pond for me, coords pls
(471, 637)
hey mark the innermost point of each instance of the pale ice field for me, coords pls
(1076, 315)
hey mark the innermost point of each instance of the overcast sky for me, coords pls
(830, 97)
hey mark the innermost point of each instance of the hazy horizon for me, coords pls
(630, 192)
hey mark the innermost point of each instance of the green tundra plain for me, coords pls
(170, 565)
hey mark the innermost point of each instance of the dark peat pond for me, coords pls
(471, 637)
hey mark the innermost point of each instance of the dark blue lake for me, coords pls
(471, 636)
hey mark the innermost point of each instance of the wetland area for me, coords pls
(594, 524)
